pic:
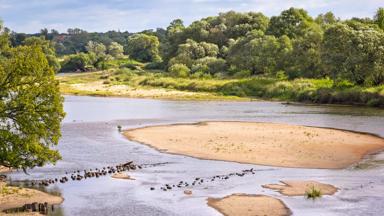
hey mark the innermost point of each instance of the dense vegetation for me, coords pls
(290, 49)
(31, 107)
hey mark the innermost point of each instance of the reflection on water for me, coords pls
(90, 140)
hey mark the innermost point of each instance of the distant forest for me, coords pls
(288, 46)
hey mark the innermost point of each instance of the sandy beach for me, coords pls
(269, 144)
(249, 205)
(299, 188)
(13, 197)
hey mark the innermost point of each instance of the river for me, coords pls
(90, 139)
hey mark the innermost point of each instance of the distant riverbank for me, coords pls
(157, 84)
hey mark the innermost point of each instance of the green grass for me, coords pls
(321, 91)
(313, 193)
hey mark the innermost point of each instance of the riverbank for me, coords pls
(4, 169)
(157, 84)
(14, 197)
(269, 144)
(249, 205)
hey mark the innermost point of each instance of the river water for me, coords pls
(91, 139)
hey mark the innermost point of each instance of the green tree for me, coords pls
(355, 53)
(259, 53)
(379, 18)
(48, 48)
(98, 48)
(143, 48)
(292, 22)
(30, 109)
(80, 62)
(116, 50)
(179, 70)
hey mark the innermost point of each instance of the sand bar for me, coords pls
(249, 205)
(121, 175)
(14, 197)
(299, 188)
(269, 144)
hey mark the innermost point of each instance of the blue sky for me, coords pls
(135, 15)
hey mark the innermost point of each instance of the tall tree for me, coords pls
(143, 47)
(30, 109)
(379, 18)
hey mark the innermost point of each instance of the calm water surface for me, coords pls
(90, 139)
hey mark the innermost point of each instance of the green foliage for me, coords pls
(144, 48)
(48, 49)
(116, 50)
(379, 18)
(292, 23)
(98, 48)
(179, 70)
(355, 53)
(78, 62)
(30, 109)
(313, 193)
(259, 53)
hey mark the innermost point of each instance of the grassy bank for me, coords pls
(156, 84)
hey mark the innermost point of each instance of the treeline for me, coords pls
(288, 46)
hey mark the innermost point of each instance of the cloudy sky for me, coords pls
(136, 15)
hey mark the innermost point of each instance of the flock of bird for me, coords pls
(199, 181)
(86, 174)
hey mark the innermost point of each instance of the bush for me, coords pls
(77, 62)
(179, 70)
(313, 193)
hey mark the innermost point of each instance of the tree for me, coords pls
(292, 22)
(4, 42)
(179, 70)
(98, 48)
(116, 50)
(379, 18)
(305, 58)
(79, 62)
(259, 53)
(30, 109)
(355, 53)
(48, 48)
(143, 48)
(324, 20)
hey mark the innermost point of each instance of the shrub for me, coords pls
(179, 70)
(313, 193)
(77, 62)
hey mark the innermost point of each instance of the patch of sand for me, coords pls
(298, 188)
(13, 197)
(261, 143)
(127, 91)
(4, 169)
(249, 205)
(122, 176)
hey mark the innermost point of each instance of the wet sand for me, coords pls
(14, 197)
(299, 188)
(249, 205)
(269, 144)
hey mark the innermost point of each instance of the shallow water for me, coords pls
(90, 139)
